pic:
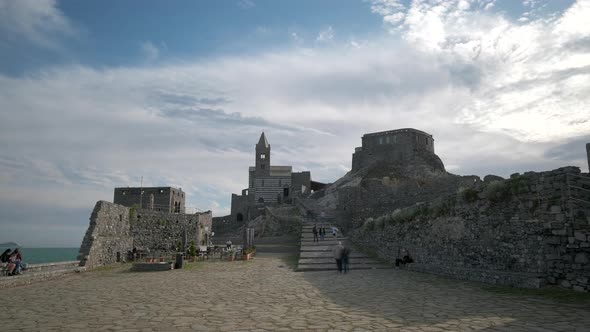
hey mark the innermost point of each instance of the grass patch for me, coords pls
(192, 265)
(552, 293)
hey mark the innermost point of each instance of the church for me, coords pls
(267, 185)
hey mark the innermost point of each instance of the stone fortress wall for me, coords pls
(115, 228)
(395, 146)
(529, 230)
(166, 199)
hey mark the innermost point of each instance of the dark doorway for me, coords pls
(285, 192)
(240, 217)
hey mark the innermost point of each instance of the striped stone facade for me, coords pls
(267, 184)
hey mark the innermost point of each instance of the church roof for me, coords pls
(262, 141)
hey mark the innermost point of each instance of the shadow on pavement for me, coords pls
(422, 301)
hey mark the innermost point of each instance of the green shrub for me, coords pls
(132, 213)
(442, 206)
(192, 250)
(497, 192)
(179, 246)
(369, 224)
(467, 195)
(518, 185)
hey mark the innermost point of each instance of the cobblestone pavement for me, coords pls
(265, 295)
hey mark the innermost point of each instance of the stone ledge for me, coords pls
(29, 278)
(495, 277)
(152, 267)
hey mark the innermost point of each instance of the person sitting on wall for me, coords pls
(406, 259)
(18, 261)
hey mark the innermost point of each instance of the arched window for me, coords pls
(261, 200)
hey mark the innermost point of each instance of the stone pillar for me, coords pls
(248, 237)
(588, 155)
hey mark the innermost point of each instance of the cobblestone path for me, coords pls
(265, 295)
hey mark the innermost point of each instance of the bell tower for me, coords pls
(262, 157)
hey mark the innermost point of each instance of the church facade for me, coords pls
(267, 185)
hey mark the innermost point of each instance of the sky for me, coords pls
(100, 94)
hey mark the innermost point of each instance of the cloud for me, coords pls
(246, 4)
(326, 35)
(38, 22)
(149, 51)
(498, 95)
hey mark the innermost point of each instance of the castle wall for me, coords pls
(534, 230)
(160, 231)
(299, 180)
(115, 228)
(395, 146)
(153, 198)
(109, 232)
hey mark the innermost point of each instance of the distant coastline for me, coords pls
(9, 244)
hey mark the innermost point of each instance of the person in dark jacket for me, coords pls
(4, 258)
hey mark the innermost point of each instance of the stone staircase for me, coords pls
(318, 256)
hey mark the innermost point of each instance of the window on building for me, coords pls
(380, 140)
(161, 191)
(262, 156)
(124, 192)
(387, 140)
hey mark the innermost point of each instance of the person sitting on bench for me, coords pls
(406, 259)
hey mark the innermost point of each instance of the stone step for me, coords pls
(332, 267)
(316, 248)
(327, 254)
(327, 236)
(321, 243)
(352, 260)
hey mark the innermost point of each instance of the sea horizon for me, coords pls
(41, 255)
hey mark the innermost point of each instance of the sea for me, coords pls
(46, 255)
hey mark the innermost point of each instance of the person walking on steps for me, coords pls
(337, 252)
(345, 255)
(334, 231)
(322, 232)
(315, 233)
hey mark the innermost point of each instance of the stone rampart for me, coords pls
(109, 232)
(160, 231)
(118, 229)
(530, 230)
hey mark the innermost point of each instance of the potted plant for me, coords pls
(231, 254)
(192, 251)
(248, 253)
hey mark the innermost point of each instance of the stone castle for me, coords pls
(165, 199)
(152, 220)
(267, 185)
(396, 146)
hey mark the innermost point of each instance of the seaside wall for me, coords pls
(115, 228)
(527, 231)
(109, 232)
